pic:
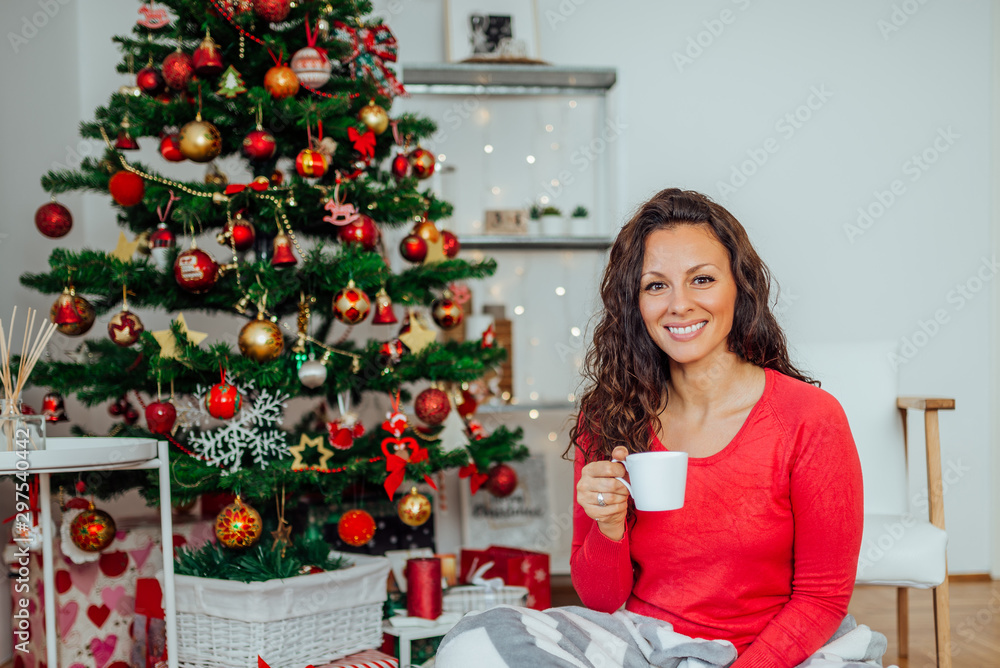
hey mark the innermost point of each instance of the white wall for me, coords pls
(689, 126)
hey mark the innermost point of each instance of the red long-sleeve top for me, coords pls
(765, 550)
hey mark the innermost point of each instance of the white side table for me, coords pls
(70, 455)
(407, 634)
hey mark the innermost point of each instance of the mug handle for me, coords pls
(622, 481)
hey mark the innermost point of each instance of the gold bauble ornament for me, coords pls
(238, 525)
(92, 530)
(427, 231)
(374, 117)
(414, 508)
(200, 141)
(261, 340)
(281, 82)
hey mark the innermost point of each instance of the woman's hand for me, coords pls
(599, 478)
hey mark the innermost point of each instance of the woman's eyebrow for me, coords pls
(653, 272)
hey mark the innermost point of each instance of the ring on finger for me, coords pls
(600, 499)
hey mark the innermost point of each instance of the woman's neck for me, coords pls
(712, 385)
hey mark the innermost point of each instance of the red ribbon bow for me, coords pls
(371, 48)
(396, 465)
(476, 479)
(234, 188)
(363, 143)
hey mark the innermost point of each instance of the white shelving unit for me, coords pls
(70, 455)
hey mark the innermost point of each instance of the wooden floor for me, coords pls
(975, 621)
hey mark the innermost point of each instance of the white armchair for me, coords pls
(904, 543)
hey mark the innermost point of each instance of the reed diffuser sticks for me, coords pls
(32, 346)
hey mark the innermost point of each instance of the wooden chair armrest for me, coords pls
(925, 403)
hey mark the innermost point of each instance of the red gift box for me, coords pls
(516, 567)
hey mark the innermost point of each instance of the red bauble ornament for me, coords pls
(351, 305)
(432, 406)
(124, 328)
(413, 248)
(54, 408)
(53, 220)
(502, 480)
(451, 246)
(239, 232)
(118, 407)
(310, 164)
(311, 66)
(356, 527)
(467, 404)
(72, 314)
(160, 417)
(401, 166)
(422, 163)
(162, 237)
(392, 351)
(126, 188)
(195, 270)
(277, 178)
(150, 81)
(92, 530)
(206, 60)
(362, 231)
(281, 82)
(259, 145)
(223, 401)
(131, 415)
(177, 70)
(170, 148)
(446, 313)
(272, 10)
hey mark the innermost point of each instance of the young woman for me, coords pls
(688, 357)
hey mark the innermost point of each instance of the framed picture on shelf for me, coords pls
(491, 31)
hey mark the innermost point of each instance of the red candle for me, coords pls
(423, 588)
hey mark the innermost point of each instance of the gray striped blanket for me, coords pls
(575, 637)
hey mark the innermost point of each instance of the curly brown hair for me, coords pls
(625, 369)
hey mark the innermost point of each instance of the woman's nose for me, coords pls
(680, 300)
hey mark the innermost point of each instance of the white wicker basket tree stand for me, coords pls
(308, 619)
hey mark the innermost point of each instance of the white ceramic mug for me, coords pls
(658, 479)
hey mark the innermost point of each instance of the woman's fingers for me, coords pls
(604, 470)
(619, 453)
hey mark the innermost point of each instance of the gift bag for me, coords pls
(516, 567)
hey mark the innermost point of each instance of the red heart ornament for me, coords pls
(114, 564)
(401, 447)
(63, 581)
(98, 614)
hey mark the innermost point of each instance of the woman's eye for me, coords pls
(708, 279)
(655, 285)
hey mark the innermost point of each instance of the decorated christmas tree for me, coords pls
(303, 92)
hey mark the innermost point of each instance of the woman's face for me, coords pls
(687, 293)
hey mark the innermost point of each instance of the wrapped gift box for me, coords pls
(516, 567)
(478, 598)
(96, 601)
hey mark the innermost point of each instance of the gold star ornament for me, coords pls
(435, 251)
(168, 342)
(419, 337)
(306, 443)
(125, 248)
